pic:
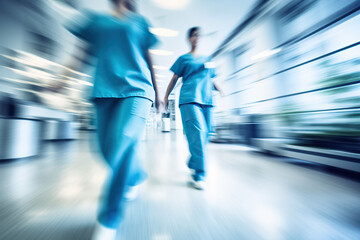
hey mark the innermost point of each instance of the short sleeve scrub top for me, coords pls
(120, 47)
(197, 85)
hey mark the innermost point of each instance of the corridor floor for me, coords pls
(248, 195)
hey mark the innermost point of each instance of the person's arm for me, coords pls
(149, 62)
(218, 89)
(169, 89)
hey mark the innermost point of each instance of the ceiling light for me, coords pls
(25, 82)
(159, 75)
(164, 32)
(39, 73)
(34, 60)
(172, 4)
(160, 67)
(86, 103)
(161, 52)
(265, 54)
(85, 83)
(73, 89)
(38, 61)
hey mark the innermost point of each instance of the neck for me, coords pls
(193, 50)
(121, 9)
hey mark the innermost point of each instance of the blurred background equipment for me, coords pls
(33, 45)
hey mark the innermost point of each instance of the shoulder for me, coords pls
(139, 18)
(185, 57)
(180, 59)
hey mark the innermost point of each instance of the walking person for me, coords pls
(123, 92)
(195, 104)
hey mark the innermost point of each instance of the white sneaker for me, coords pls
(103, 233)
(199, 185)
(132, 193)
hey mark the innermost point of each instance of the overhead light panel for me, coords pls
(160, 67)
(265, 54)
(34, 60)
(172, 4)
(25, 82)
(159, 75)
(164, 32)
(161, 52)
(85, 83)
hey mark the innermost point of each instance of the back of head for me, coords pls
(192, 30)
(129, 4)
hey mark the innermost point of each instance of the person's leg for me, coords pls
(207, 110)
(104, 113)
(196, 133)
(124, 131)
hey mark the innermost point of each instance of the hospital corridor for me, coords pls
(179, 120)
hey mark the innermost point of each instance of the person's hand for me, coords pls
(158, 103)
(222, 94)
(166, 103)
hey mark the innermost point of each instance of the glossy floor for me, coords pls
(248, 196)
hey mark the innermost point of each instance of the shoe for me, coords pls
(199, 185)
(103, 233)
(132, 193)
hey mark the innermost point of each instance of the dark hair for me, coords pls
(130, 4)
(192, 30)
(115, 2)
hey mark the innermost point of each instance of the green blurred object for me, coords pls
(336, 128)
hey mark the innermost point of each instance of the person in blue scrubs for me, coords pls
(123, 92)
(195, 104)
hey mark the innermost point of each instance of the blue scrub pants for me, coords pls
(196, 119)
(120, 126)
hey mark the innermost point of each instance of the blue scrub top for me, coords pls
(197, 85)
(120, 46)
